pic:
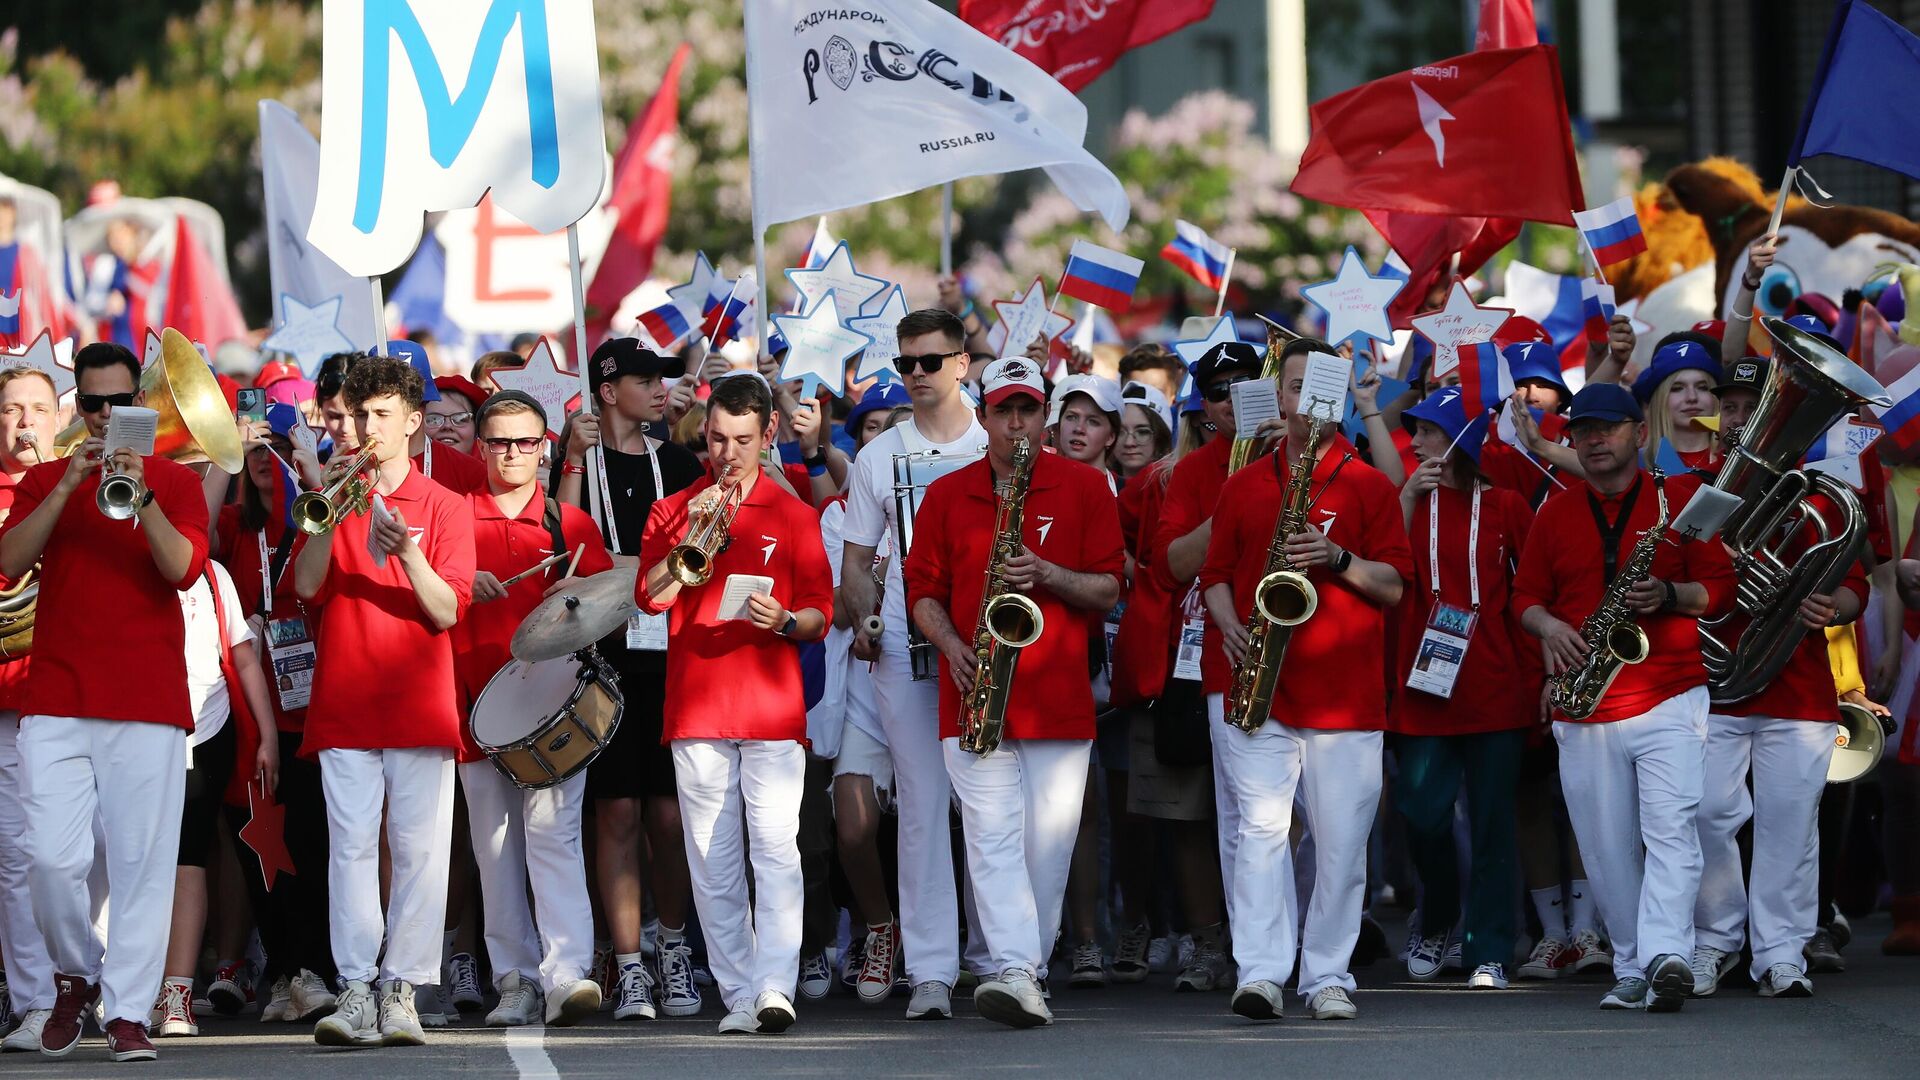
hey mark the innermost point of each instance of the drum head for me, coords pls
(521, 698)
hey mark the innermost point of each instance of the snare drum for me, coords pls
(542, 723)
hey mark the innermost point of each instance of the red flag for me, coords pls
(642, 195)
(40, 306)
(1427, 244)
(199, 304)
(1481, 135)
(1074, 41)
(1505, 24)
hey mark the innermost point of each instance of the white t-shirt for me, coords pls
(206, 685)
(847, 695)
(870, 505)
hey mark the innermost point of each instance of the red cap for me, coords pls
(460, 384)
(1518, 330)
(274, 370)
(1012, 375)
(1713, 328)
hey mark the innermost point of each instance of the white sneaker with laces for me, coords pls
(932, 1000)
(1089, 967)
(740, 1021)
(1542, 962)
(173, 1012)
(463, 980)
(354, 1021)
(1013, 999)
(1488, 977)
(1710, 965)
(399, 1017)
(678, 995)
(1428, 954)
(816, 976)
(1787, 981)
(310, 996)
(633, 994)
(773, 1012)
(1258, 1000)
(1332, 1003)
(26, 1038)
(572, 1002)
(519, 1002)
(279, 1006)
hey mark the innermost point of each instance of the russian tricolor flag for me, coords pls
(1596, 307)
(723, 321)
(1198, 255)
(1101, 277)
(1612, 231)
(1483, 376)
(666, 324)
(1902, 418)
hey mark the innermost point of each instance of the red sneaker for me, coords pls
(127, 1041)
(72, 996)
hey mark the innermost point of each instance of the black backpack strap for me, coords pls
(552, 520)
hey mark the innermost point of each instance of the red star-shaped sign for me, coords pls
(266, 834)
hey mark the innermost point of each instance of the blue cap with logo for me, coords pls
(415, 354)
(1445, 410)
(1604, 401)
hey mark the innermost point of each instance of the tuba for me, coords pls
(1811, 386)
(1008, 622)
(17, 604)
(1282, 600)
(691, 560)
(319, 512)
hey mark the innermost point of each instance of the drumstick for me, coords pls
(534, 569)
(577, 552)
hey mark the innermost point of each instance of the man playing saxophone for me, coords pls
(1633, 740)
(1020, 801)
(1309, 508)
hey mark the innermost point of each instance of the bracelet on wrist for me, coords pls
(1364, 417)
(570, 469)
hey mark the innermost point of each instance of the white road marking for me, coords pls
(527, 1047)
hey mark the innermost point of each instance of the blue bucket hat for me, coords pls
(1446, 411)
(1535, 360)
(283, 419)
(1672, 358)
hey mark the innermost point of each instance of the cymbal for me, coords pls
(576, 617)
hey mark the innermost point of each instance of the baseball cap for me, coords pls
(1012, 375)
(1448, 412)
(1104, 392)
(1682, 354)
(460, 384)
(273, 371)
(626, 356)
(883, 398)
(1604, 401)
(415, 355)
(1713, 328)
(290, 391)
(1149, 398)
(1519, 330)
(502, 397)
(1226, 356)
(1747, 373)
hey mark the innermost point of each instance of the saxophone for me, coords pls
(1008, 621)
(1613, 639)
(1282, 600)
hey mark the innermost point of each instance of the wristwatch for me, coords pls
(793, 623)
(1673, 597)
(1342, 561)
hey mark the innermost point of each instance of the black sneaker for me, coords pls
(1672, 981)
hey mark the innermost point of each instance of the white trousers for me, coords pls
(1020, 808)
(23, 951)
(416, 785)
(132, 776)
(1336, 777)
(929, 907)
(1633, 793)
(739, 796)
(1788, 761)
(523, 838)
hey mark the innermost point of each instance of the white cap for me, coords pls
(1149, 398)
(1012, 375)
(1104, 392)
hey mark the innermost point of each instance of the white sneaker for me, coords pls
(773, 1012)
(279, 1006)
(311, 996)
(1429, 953)
(1332, 1003)
(1259, 1000)
(740, 1021)
(1710, 965)
(932, 1000)
(678, 995)
(1787, 981)
(572, 1002)
(354, 1021)
(1160, 953)
(1488, 977)
(519, 1002)
(462, 978)
(399, 1016)
(633, 994)
(816, 976)
(26, 1038)
(174, 1010)
(1013, 999)
(1546, 961)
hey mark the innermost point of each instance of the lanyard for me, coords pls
(269, 579)
(1610, 534)
(426, 459)
(606, 490)
(1473, 545)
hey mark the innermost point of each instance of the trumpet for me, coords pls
(119, 495)
(691, 560)
(317, 513)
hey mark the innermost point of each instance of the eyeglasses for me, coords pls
(436, 421)
(528, 445)
(93, 403)
(929, 363)
(1219, 392)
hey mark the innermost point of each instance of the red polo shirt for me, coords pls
(504, 546)
(1192, 494)
(730, 679)
(1357, 507)
(1070, 519)
(462, 474)
(1140, 648)
(109, 642)
(1490, 694)
(1804, 689)
(244, 565)
(383, 676)
(1562, 567)
(13, 673)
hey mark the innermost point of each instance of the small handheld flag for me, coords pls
(666, 324)
(1483, 375)
(1902, 418)
(1100, 276)
(1596, 307)
(1612, 231)
(1198, 255)
(723, 321)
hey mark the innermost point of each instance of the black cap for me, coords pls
(501, 397)
(1746, 373)
(626, 356)
(1226, 356)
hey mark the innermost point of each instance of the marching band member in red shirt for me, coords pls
(383, 719)
(736, 715)
(524, 839)
(1021, 803)
(1321, 740)
(1463, 716)
(1633, 770)
(106, 711)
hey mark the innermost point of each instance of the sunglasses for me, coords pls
(929, 363)
(528, 445)
(436, 421)
(1219, 392)
(93, 403)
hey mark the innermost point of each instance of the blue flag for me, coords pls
(1847, 114)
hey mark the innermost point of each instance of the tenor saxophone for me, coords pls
(1282, 600)
(1614, 639)
(1008, 621)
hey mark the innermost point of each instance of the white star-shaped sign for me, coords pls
(1190, 352)
(838, 278)
(1025, 317)
(543, 379)
(883, 327)
(150, 352)
(56, 361)
(1356, 301)
(1461, 322)
(818, 345)
(691, 297)
(308, 334)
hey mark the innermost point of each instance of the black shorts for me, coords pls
(206, 790)
(635, 764)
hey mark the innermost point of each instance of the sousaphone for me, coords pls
(195, 423)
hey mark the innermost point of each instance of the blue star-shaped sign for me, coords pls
(818, 347)
(838, 277)
(308, 334)
(883, 327)
(1356, 301)
(691, 297)
(1191, 351)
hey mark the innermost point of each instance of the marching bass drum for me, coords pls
(541, 723)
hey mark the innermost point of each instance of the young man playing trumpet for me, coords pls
(1021, 802)
(390, 584)
(740, 569)
(107, 709)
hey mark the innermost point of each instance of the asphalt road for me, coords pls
(1858, 1024)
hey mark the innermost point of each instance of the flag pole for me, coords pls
(946, 229)
(762, 322)
(1226, 279)
(587, 404)
(379, 316)
(1780, 202)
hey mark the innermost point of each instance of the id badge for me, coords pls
(1113, 634)
(1443, 649)
(647, 633)
(1193, 636)
(290, 649)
